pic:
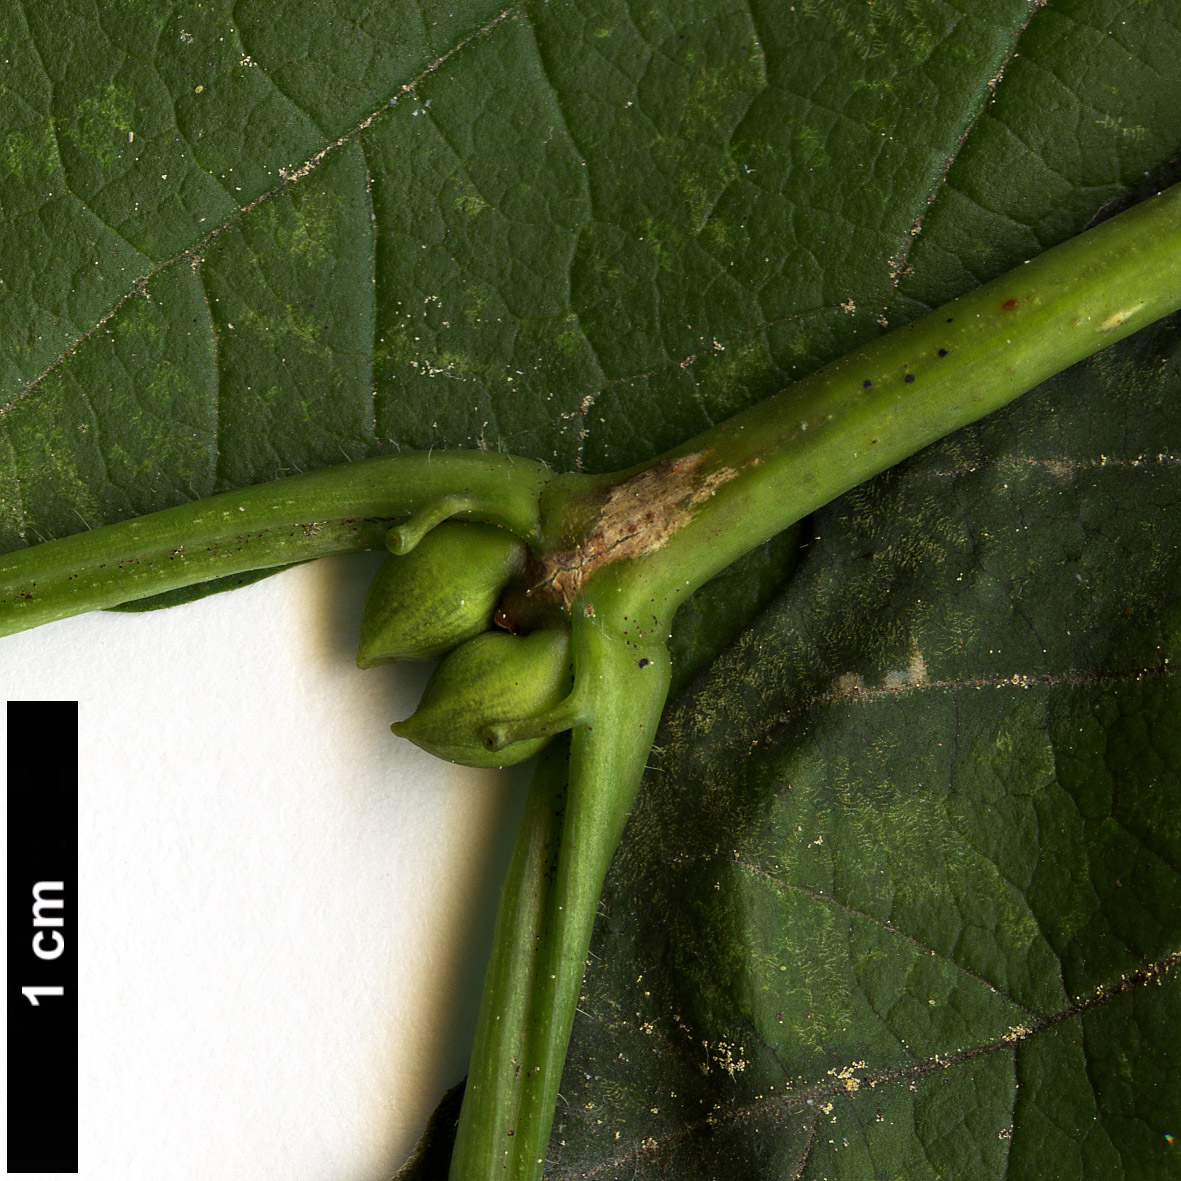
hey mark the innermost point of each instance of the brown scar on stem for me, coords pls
(638, 517)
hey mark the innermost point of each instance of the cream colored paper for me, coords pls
(284, 910)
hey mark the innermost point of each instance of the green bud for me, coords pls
(494, 678)
(443, 592)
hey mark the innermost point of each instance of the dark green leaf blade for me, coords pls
(237, 243)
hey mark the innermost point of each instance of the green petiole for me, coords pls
(611, 559)
(530, 996)
(336, 510)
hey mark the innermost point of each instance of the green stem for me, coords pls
(496, 1081)
(763, 470)
(548, 909)
(340, 509)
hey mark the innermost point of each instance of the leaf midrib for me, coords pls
(786, 1106)
(864, 695)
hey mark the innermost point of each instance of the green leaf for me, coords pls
(241, 240)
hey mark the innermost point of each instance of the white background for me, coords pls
(283, 910)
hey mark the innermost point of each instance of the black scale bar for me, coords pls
(42, 777)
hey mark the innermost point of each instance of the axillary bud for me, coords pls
(494, 678)
(423, 604)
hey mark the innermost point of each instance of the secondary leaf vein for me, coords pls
(289, 178)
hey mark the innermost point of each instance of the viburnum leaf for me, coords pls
(921, 815)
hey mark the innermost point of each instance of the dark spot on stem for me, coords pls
(643, 662)
(950, 319)
(943, 352)
(1009, 305)
(909, 377)
(866, 383)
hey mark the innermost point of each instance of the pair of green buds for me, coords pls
(440, 599)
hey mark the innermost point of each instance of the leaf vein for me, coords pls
(873, 920)
(900, 267)
(289, 178)
(798, 1101)
(859, 693)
